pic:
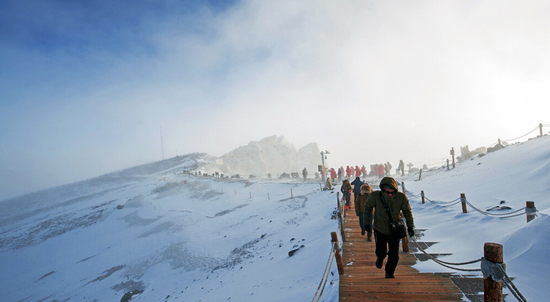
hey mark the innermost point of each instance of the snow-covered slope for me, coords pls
(166, 235)
(513, 175)
(169, 236)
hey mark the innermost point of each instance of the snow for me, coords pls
(182, 237)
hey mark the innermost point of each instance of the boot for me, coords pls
(369, 236)
(362, 231)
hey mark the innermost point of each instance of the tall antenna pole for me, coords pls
(161, 144)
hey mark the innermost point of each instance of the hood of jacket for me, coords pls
(389, 181)
(365, 189)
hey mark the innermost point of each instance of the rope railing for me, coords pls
(310, 188)
(513, 139)
(514, 213)
(538, 127)
(510, 285)
(501, 215)
(334, 253)
(487, 268)
(444, 203)
(326, 273)
(448, 264)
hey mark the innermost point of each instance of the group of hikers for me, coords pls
(377, 170)
(378, 213)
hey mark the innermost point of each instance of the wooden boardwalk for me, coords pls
(362, 281)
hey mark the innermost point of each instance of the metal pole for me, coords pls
(322, 166)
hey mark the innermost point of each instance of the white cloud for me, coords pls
(369, 81)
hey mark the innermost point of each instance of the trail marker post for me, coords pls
(463, 201)
(530, 210)
(453, 154)
(339, 261)
(492, 290)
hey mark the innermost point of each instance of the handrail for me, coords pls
(325, 273)
(514, 213)
(485, 264)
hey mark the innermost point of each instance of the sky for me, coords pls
(179, 237)
(91, 87)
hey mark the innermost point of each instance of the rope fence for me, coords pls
(335, 252)
(529, 210)
(448, 264)
(326, 273)
(494, 270)
(296, 189)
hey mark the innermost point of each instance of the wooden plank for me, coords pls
(363, 281)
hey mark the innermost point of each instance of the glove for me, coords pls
(411, 232)
(367, 228)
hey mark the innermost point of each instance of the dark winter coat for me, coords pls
(361, 199)
(357, 183)
(346, 188)
(397, 203)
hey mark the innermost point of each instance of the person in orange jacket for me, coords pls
(357, 171)
(348, 172)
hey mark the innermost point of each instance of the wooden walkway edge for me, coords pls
(362, 281)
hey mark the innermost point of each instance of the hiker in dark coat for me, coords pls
(402, 167)
(386, 244)
(346, 191)
(357, 183)
(360, 203)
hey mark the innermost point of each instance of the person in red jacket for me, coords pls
(333, 174)
(348, 172)
(357, 171)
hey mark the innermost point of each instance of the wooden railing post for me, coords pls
(337, 254)
(422, 194)
(420, 175)
(268, 196)
(492, 290)
(404, 240)
(291, 195)
(403, 186)
(463, 200)
(530, 210)
(341, 219)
